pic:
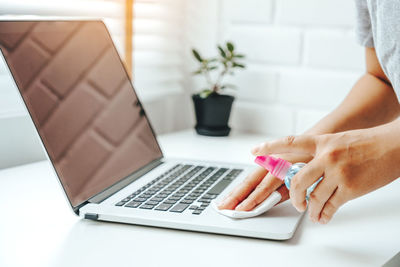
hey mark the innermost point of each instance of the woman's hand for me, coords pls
(258, 186)
(353, 163)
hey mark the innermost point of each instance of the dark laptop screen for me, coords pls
(81, 101)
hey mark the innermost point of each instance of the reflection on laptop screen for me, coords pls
(81, 101)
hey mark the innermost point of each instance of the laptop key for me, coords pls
(193, 207)
(133, 204)
(163, 207)
(121, 203)
(204, 200)
(159, 199)
(147, 207)
(197, 212)
(170, 201)
(150, 202)
(238, 172)
(219, 187)
(179, 207)
(140, 199)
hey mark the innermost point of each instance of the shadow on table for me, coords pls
(362, 210)
(91, 243)
(353, 256)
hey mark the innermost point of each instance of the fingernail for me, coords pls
(323, 221)
(239, 207)
(301, 209)
(221, 204)
(255, 150)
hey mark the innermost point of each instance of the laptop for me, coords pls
(100, 142)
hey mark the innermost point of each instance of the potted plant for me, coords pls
(212, 107)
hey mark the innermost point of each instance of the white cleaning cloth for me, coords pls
(267, 204)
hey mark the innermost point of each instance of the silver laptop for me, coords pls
(100, 142)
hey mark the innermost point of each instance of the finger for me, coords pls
(241, 191)
(308, 175)
(331, 206)
(284, 193)
(319, 197)
(290, 144)
(268, 185)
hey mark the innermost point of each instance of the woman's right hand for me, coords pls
(258, 186)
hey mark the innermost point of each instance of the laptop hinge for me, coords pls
(124, 182)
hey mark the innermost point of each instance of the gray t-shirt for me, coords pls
(378, 26)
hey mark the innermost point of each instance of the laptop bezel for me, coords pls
(112, 189)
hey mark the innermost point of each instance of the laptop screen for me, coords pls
(81, 101)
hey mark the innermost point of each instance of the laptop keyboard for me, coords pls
(180, 188)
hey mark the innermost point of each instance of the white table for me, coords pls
(37, 227)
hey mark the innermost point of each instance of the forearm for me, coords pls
(371, 102)
(387, 150)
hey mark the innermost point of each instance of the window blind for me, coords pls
(157, 46)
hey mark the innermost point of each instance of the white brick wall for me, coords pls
(256, 85)
(315, 13)
(265, 44)
(314, 88)
(302, 59)
(332, 49)
(254, 11)
(271, 119)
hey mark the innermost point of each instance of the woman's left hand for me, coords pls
(353, 163)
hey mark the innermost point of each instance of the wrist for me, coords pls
(386, 138)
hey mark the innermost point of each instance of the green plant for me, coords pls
(225, 63)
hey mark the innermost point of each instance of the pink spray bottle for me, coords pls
(284, 170)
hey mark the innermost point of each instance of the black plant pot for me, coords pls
(212, 114)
